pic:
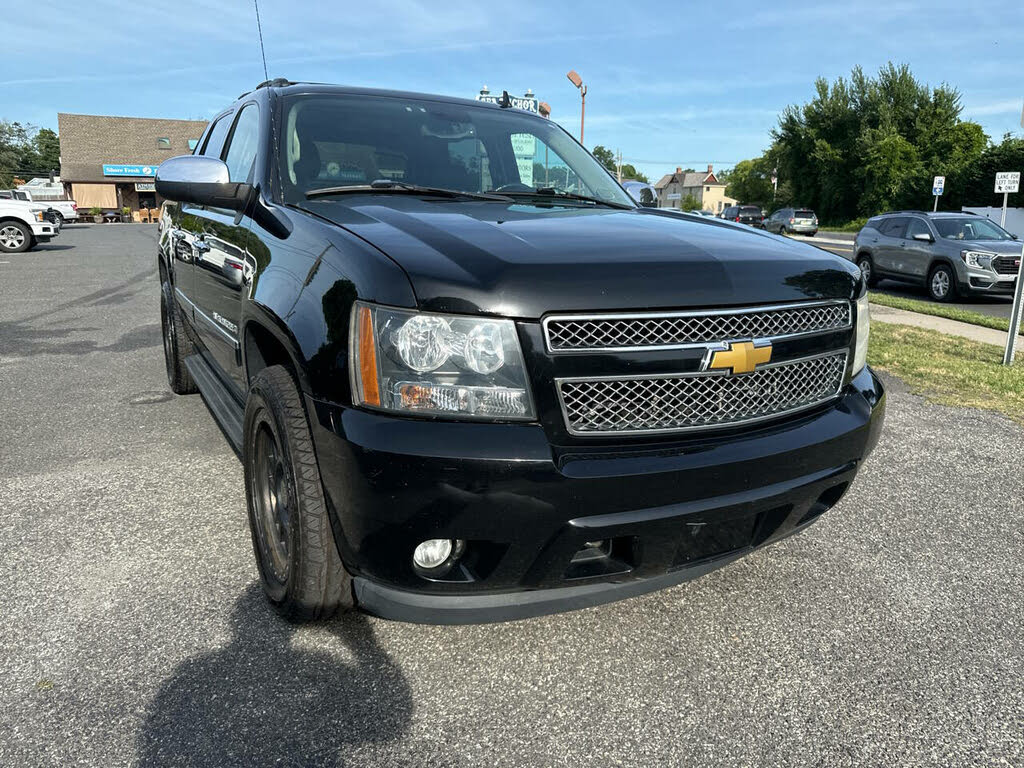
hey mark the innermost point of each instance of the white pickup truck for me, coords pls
(63, 210)
(23, 226)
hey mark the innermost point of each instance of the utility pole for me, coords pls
(618, 164)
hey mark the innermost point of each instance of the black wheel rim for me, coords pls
(273, 499)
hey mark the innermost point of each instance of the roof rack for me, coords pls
(890, 213)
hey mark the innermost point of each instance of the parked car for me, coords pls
(23, 226)
(644, 194)
(793, 221)
(950, 254)
(744, 214)
(461, 395)
(62, 210)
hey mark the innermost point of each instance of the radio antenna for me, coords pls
(259, 26)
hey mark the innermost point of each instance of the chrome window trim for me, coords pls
(694, 374)
(690, 313)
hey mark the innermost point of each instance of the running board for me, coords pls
(225, 408)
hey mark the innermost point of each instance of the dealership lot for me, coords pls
(135, 633)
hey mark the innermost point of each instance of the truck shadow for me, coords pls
(264, 700)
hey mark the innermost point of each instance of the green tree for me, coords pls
(868, 144)
(689, 203)
(605, 157)
(750, 181)
(629, 172)
(975, 186)
(24, 151)
(47, 147)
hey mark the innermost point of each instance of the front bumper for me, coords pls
(44, 230)
(989, 284)
(667, 511)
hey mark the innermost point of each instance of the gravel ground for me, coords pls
(134, 632)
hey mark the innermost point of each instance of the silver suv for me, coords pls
(950, 254)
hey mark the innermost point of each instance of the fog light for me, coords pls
(433, 553)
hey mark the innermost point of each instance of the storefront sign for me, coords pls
(129, 170)
(145, 186)
(529, 103)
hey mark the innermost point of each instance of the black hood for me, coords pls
(524, 260)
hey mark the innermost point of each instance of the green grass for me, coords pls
(949, 370)
(940, 310)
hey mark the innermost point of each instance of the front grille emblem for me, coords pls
(738, 357)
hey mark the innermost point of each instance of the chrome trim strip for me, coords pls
(694, 374)
(210, 321)
(690, 313)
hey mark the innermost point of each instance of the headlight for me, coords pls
(977, 259)
(860, 349)
(441, 365)
(38, 215)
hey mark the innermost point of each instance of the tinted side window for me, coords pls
(215, 140)
(893, 227)
(244, 141)
(917, 227)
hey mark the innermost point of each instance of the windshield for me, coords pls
(352, 140)
(970, 228)
(803, 214)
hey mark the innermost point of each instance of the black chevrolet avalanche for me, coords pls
(469, 379)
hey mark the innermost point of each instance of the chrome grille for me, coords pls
(626, 405)
(569, 333)
(1006, 265)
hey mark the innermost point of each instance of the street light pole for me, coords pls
(576, 80)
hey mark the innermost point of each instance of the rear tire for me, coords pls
(942, 283)
(867, 268)
(177, 345)
(15, 237)
(300, 569)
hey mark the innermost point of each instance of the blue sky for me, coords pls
(670, 83)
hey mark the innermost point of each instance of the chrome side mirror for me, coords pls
(924, 237)
(201, 181)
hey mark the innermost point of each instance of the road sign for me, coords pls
(1008, 181)
(938, 184)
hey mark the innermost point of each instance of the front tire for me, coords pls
(867, 269)
(942, 283)
(15, 237)
(177, 345)
(300, 569)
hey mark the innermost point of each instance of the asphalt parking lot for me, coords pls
(134, 632)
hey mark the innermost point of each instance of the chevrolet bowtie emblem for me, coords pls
(740, 357)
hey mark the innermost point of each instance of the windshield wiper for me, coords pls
(552, 192)
(401, 187)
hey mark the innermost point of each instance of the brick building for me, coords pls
(110, 162)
